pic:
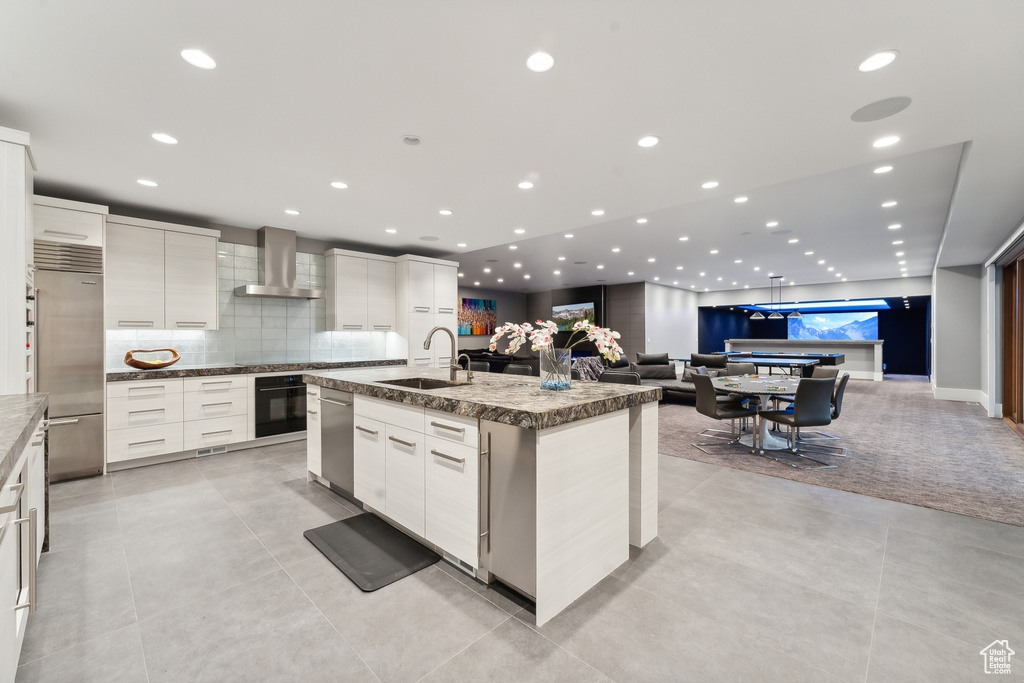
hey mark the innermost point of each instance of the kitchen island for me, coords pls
(542, 490)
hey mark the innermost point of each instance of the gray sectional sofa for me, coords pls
(655, 369)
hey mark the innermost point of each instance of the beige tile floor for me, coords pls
(198, 571)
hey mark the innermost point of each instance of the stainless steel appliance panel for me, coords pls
(337, 440)
(510, 550)
(69, 342)
(76, 446)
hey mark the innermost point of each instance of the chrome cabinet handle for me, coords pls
(337, 403)
(31, 520)
(135, 323)
(439, 425)
(150, 410)
(382, 327)
(13, 506)
(368, 431)
(219, 431)
(277, 388)
(210, 405)
(421, 309)
(143, 443)
(188, 323)
(72, 235)
(63, 421)
(404, 443)
(461, 461)
(310, 412)
(447, 309)
(220, 381)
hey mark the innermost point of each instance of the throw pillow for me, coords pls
(651, 359)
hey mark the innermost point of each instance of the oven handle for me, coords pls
(283, 388)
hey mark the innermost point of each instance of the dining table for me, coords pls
(763, 387)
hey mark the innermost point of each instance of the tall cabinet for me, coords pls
(160, 275)
(427, 296)
(15, 278)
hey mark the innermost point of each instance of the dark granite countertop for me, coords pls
(509, 399)
(19, 414)
(214, 370)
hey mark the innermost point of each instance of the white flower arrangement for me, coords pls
(541, 338)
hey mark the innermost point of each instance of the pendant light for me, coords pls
(775, 315)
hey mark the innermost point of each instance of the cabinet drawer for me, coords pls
(312, 392)
(204, 406)
(214, 385)
(314, 459)
(404, 476)
(142, 411)
(452, 519)
(216, 432)
(144, 388)
(390, 412)
(369, 464)
(142, 442)
(454, 428)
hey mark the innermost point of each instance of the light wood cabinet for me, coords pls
(427, 296)
(144, 418)
(314, 439)
(160, 275)
(404, 451)
(360, 291)
(369, 481)
(67, 222)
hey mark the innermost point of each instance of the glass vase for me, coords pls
(555, 369)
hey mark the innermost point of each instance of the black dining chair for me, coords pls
(733, 369)
(620, 377)
(515, 369)
(820, 372)
(837, 410)
(708, 404)
(479, 366)
(812, 407)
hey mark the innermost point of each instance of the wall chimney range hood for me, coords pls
(277, 268)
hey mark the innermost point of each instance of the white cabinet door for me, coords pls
(134, 279)
(313, 440)
(443, 349)
(380, 295)
(421, 287)
(37, 483)
(419, 325)
(369, 485)
(446, 289)
(346, 291)
(54, 224)
(452, 518)
(190, 281)
(404, 458)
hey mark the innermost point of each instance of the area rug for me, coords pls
(903, 445)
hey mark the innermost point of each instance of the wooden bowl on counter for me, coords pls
(150, 364)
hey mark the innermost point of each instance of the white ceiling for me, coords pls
(755, 95)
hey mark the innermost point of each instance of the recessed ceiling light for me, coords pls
(147, 183)
(844, 279)
(337, 184)
(808, 253)
(391, 231)
(501, 279)
(597, 212)
(292, 212)
(746, 286)
(904, 275)
(487, 270)
(462, 275)
(757, 267)
(900, 253)
(903, 270)
(883, 169)
(719, 278)
(740, 200)
(517, 265)
(710, 185)
(730, 308)
(412, 140)
(888, 205)
(683, 238)
(831, 268)
(512, 246)
(675, 282)
(897, 242)
(903, 263)
(461, 244)
(887, 141)
(165, 138)
(771, 224)
(526, 277)
(615, 250)
(519, 231)
(477, 283)
(877, 61)
(679, 267)
(839, 274)
(641, 221)
(693, 286)
(895, 226)
(629, 273)
(445, 212)
(702, 274)
(648, 141)
(739, 260)
(821, 261)
(650, 260)
(600, 266)
(794, 240)
(558, 272)
(713, 251)
(707, 289)
(568, 235)
(561, 258)
(198, 58)
(540, 62)
(525, 185)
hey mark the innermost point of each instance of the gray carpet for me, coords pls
(903, 445)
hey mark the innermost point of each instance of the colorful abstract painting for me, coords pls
(478, 316)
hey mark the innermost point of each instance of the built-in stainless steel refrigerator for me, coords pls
(69, 348)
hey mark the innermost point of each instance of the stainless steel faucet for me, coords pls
(454, 367)
(469, 373)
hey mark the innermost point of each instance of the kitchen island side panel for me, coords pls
(582, 507)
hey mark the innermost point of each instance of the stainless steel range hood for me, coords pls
(277, 268)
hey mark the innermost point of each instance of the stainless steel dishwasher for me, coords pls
(336, 439)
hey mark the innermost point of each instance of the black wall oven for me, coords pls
(280, 405)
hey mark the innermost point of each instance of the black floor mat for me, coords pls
(370, 551)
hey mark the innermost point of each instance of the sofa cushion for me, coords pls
(708, 360)
(620, 363)
(655, 371)
(652, 359)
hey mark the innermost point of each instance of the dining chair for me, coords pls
(574, 373)
(740, 369)
(479, 366)
(515, 369)
(837, 410)
(812, 407)
(620, 377)
(820, 372)
(708, 405)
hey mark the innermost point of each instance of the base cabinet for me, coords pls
(314, 443)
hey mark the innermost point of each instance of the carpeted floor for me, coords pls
(903, 445)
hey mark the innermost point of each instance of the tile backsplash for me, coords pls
(258, 330)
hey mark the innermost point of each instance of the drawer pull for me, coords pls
(217, 382)
(219, 431)
(150, 410)
(37, 443)
(310, 412)
(72, 235)
(461, 461)
(352, 327)
(135, 323)
(382, 327)
(62, 421)
(404, 443)
(145, 443)
(421, 309)
(188, 323)
(312, 393)
(14, 505)
(31, 521)
(446, 310)
(364, 429)
(337, 403)
(461, 430)
(147, 391)
(222, 403)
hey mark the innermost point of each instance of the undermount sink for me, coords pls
(423, 383)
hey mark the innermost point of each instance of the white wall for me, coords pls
(864, 289)
(671, 320)
(957, 333)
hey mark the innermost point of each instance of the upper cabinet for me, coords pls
(360, 291)
(160, 275)
(67, 222)
(428, 291)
